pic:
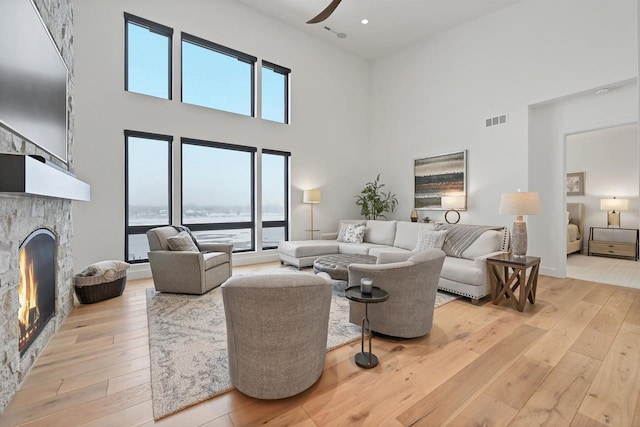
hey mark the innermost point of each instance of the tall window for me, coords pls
(148, 189)
(147, 57)
(275, 92)
(216, 76)
(275, 197)
(218, 192)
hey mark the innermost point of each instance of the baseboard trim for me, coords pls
(553, 272)
(143, 271)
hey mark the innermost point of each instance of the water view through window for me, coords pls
(148, 181)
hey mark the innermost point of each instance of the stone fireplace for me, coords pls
(20, 215)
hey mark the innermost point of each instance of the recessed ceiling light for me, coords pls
(365, 21)
(602, 91)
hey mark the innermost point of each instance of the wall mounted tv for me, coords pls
(33, 79)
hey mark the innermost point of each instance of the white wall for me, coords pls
(327, 135)
(434, 97)
(609, 158)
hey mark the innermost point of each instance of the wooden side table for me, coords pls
(506, 273)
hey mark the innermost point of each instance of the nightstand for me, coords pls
(614, 242)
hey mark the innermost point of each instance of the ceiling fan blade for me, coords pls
(325, 13)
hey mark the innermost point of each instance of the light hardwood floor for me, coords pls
(572, 359)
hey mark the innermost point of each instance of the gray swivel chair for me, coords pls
(412, 287)
(187, 272)
(277, 327)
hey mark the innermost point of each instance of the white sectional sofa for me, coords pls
(393, 241)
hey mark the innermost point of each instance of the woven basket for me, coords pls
(94, 289)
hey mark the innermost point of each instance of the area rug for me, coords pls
(188, 345)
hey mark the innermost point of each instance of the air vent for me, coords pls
(497, 120)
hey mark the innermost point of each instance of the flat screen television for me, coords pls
(33, 79)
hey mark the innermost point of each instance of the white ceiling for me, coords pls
(393, 24)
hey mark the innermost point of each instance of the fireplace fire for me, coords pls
(37, 285)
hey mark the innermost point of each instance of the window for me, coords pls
(218, 192)
(216, 76)
(275, 92)
(275, 198)
(147, 57)
(148, 189)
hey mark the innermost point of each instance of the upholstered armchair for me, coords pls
(277, 327)
(187, 271)
(412, 287)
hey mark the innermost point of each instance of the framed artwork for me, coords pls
(575, 184)
(438, 176)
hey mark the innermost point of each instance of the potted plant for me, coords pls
(374, 202)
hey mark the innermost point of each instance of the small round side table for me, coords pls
(366, 359)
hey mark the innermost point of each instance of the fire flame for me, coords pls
(28, 295)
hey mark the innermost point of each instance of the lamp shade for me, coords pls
(453, 202)
(311, 196)
(520, 203)
(614, 204)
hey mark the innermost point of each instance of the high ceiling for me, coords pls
(392, 25)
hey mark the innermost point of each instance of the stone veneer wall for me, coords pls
(20, 215)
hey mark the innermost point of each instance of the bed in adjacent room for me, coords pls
(575, 227)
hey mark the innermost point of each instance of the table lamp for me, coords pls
(452, 203)
(613, 208)
(519, 204)
(312, 197)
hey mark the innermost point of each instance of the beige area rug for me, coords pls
(188, 345)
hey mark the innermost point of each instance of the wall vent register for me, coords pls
(497, 120)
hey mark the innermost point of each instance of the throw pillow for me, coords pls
(354, 233)
(430, 239)
(343, 229)
(182, 242)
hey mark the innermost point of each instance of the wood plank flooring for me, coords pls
(572, 359)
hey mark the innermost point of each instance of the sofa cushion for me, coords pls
(214, 259)
(352, 234)
(488, 242)
(463, 271)
(306, 248)
(358, 248)
(407, 234)
(383, 249)
(430, 239)
(381, 232)
(182, 242)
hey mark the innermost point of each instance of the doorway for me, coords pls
(606, 161)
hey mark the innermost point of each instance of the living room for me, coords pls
(352, 118)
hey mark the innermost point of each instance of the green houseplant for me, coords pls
(374, 202)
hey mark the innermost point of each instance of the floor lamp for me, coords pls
(312, 197)
(519, 204)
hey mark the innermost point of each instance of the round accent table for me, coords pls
(337, 265)
(366, 359)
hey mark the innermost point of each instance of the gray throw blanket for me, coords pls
(461, 236)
